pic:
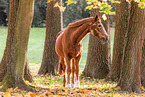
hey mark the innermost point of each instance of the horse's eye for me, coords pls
(99, 25)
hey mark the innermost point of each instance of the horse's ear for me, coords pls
(97, 17)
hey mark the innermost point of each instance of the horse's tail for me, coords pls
(61, 66)
(60, 69)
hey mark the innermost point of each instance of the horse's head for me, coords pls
(97, 29)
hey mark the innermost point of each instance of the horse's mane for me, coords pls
(80, 22)
(77, 24)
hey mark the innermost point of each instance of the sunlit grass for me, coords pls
(3, 36)
(36, 45)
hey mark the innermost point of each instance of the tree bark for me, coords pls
(143, 65)
(27, 72)
(12, 21)
(121, 29)
(97, 65)
(53, 26)
(130, 79)
(14, 76)
(10, 39)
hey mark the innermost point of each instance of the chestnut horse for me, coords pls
(69, 46)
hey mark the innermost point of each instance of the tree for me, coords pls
(143, 65)
(10, 39)
(53, 26)
(130, 78)
(15, 58)
(129, 37)
(97, 65)
(121, 28)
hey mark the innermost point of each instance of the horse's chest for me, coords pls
(75, 50)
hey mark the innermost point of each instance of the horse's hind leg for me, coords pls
(73, 70)
(62, 69)
(68, 70)
(64, 78)
(77, 60)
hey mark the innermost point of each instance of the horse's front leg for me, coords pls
(68, 71)
(73, 70)
(77, 61)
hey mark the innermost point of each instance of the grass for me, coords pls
(36, 46)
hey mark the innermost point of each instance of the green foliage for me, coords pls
(141, 3)
(4, 4)
(39, 18)
(71, 2)
(74, 12)
(103, 6)
(61, 8)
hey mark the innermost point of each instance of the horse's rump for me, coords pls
(59, 33)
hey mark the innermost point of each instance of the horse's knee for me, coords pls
(68, 71)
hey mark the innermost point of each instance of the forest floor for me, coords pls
(53, 84)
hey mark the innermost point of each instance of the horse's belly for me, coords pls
(76, 51)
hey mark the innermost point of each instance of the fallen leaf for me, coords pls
(7, 94)
(10, 89)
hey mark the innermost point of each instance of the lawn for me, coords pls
(89, 87)
(36, 46)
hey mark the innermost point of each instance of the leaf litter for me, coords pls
(53, 84)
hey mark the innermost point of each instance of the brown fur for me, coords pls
(69, 43)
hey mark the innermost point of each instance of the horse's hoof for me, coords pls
(72, 85)
(68, 86)
(77, 84)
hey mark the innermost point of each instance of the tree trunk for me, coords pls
(143, 65)
(130, 75)
(97, 58)
(14, 76)
(53, 26)
(27, 73)
(121, 28)
(10, 39)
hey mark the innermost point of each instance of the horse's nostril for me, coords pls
(107, 39)
(103, 39)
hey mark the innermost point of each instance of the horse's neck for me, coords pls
(80, 22)
(80, 33)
